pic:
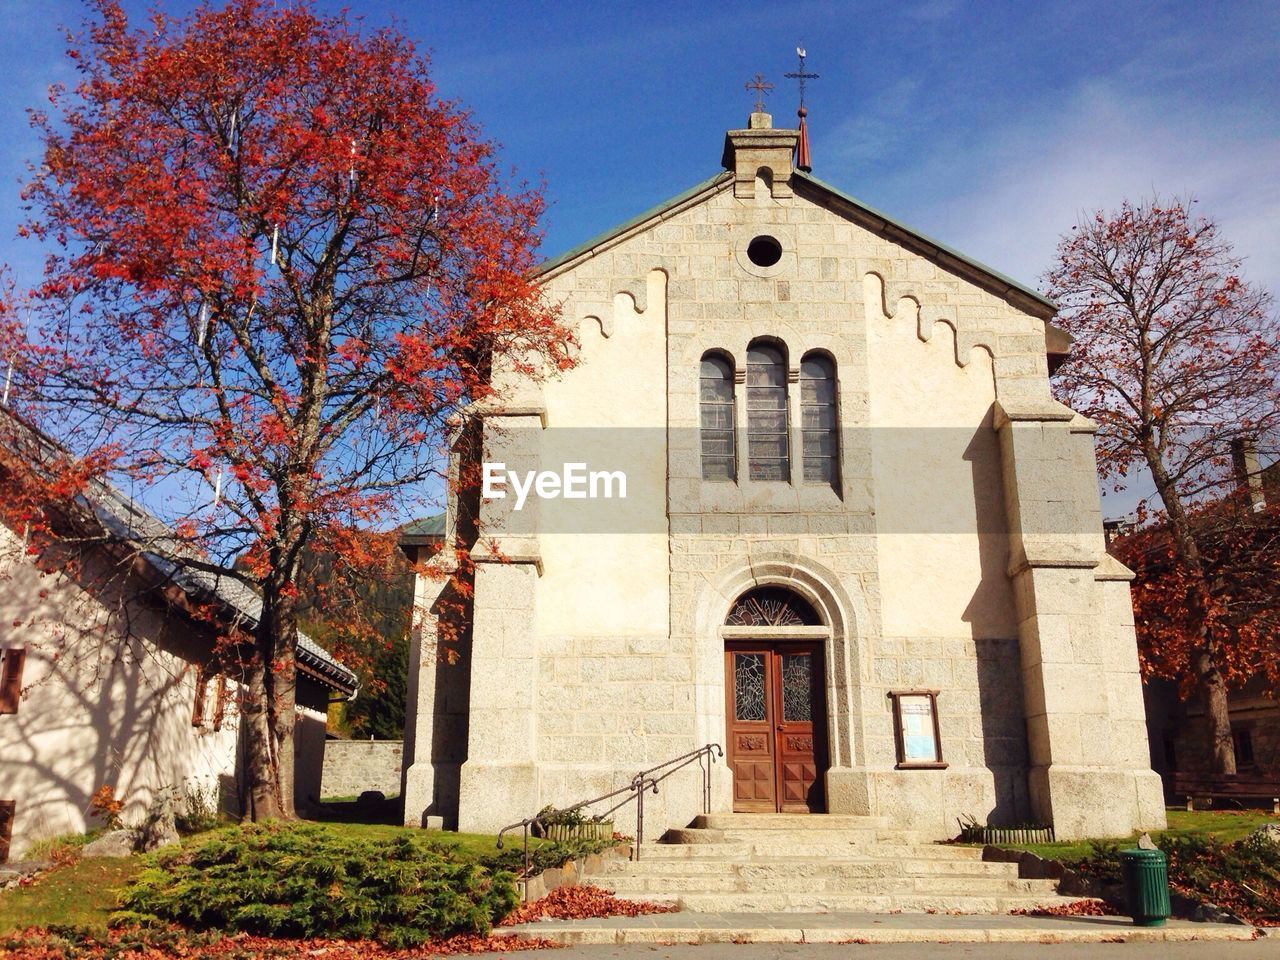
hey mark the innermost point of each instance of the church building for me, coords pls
(808, 497)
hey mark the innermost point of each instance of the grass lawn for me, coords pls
(1224, 825)
(79, 894)
(82, 893)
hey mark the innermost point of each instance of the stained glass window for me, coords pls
(819, 440)
(748, 686)
(768, 450)
(797, 688)
(771, 607)
(719, 454)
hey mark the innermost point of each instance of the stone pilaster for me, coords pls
(499, 780)
(427, 723)
(1089, 774)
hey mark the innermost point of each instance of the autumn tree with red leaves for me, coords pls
(280, 265)
(1175, 357)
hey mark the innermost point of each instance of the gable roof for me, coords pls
(948, 257)
(167, 555)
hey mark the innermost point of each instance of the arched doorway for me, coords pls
(775, 710)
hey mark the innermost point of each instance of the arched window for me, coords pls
(772, 607)
(768, 452)
(819, 437)
(719, 454)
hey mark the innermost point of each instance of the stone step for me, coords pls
(780, 902)
(787, 821)
(816, 849)
(781, 838)
(846, 928)
(796, 867)
(641, 887)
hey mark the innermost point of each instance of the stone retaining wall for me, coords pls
(353, 766)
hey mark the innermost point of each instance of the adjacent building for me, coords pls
(108, 680)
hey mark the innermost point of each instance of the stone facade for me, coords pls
(353, 766)
(959, 550)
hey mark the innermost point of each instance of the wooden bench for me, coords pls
(1241, 786)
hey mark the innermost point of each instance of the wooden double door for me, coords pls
(777, 725)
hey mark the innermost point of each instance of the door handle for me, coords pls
(779, 728)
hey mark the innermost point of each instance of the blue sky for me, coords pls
(989, 125)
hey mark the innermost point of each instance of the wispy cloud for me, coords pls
(1100, 147)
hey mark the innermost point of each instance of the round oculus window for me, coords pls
(764, 251)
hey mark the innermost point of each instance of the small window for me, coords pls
(915, 729)
(768, 449)
(1242, 739)
(820, 442)
(719, 452)
(11, 679)
(764, 251)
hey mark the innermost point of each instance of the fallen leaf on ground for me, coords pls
(581, 903)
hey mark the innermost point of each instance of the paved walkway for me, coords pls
(1267, 949)
(688, 927)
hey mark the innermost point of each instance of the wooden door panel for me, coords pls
(750, 718)
(776, 722)
(797, 679)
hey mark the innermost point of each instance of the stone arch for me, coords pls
(846, 616)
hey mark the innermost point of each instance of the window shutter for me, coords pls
(220, 702)
(8, 812)
(11, 679)
(197, 709)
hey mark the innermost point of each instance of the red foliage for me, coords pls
(1175, 358)
(1240, 554)
(280, 265)
(580, 903)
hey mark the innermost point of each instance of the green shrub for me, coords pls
(544, 856)
(1242, 877)
(199, 809)
(304, 880)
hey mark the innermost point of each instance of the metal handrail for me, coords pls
(642, 783)
(646, 781)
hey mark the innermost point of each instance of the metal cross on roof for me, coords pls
(801, 75)
(762, 87)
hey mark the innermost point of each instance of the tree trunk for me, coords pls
(1217, 715)
(1211, 684)
(284, 722)
(268, 710)
(278, 641)
(259, 767)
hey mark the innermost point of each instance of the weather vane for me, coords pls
(801, 75)
(762, 87)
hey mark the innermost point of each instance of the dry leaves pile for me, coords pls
(45, 945)
(581, 903)
(1078, 908)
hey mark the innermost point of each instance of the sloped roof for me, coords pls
(157, 543)
(432, 526)
(864, 213)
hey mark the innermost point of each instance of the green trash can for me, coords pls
(1146, 886)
